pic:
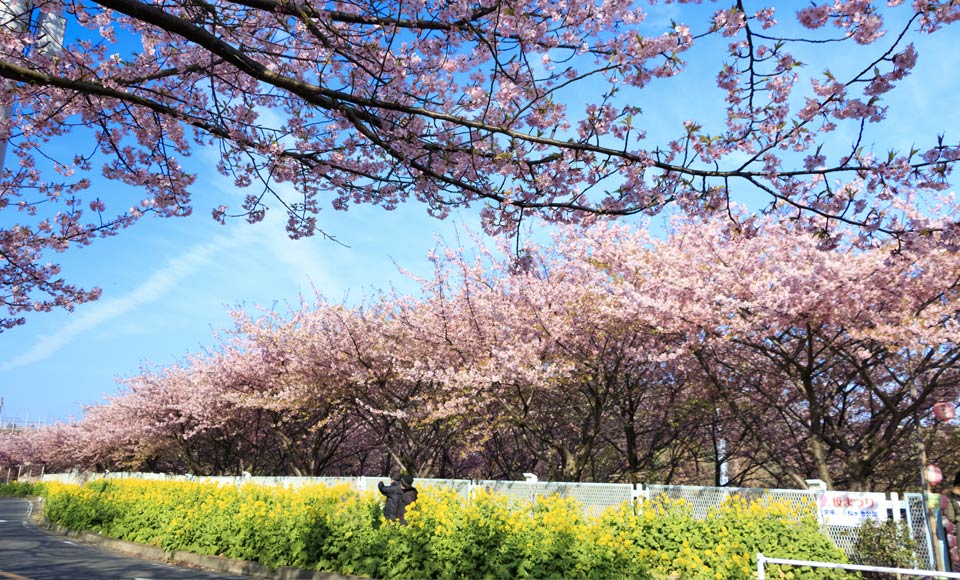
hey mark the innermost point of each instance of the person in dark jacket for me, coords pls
(394, 493)
(409, 496)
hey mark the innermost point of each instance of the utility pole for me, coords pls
(925, 489)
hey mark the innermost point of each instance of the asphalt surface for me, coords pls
(28, 552)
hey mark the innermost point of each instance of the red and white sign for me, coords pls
(944, 410)
(932, 474)
(851, 508)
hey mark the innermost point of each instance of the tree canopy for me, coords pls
(712, 356)
(518, 107)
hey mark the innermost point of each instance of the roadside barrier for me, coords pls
(840, 513)
(762, 561)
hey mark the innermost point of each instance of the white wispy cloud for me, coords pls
(95, 315)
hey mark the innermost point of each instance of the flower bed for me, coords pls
(338, 529)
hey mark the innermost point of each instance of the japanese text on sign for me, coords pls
(846, 508)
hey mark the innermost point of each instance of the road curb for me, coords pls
(181, 558)
(215, 563)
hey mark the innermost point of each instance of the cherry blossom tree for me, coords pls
(561, 366)
(300, 426)
(398, 389)
(338, 369)
(831, 358)
(731, 351)
(820, 362)
(518, 107)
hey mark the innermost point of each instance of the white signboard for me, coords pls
(851, 508)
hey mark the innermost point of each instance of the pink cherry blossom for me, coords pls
(515, 107)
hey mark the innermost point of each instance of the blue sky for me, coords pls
(168, 284)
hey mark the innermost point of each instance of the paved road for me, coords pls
(27, 552)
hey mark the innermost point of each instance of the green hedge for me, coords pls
(20, 489)
(339, 530)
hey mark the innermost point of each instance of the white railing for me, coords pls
(15, 424)
(762, 561)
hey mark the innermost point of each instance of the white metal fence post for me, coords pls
(637, 495)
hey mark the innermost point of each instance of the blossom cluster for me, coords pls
(604, 354)
(511, 106)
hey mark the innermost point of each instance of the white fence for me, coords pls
(762, 562)
(18, 424)
(840, 513)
